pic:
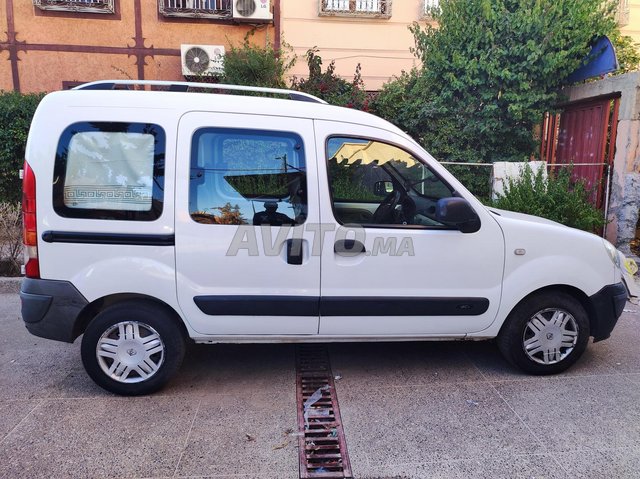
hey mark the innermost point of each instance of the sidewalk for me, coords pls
(10, 285)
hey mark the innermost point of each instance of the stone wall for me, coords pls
(624, 202)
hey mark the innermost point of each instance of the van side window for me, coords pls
(374, 183)
(247, 177)
(110, 171)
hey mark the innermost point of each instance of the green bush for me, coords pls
(329, 86)
(395, 96)
(489, 70)
(627, 53)
(256, 66)
(558, 198)
(477, 179)
(10, 239)
(16, 112)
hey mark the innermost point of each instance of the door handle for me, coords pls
(348, 247)
(294, 251)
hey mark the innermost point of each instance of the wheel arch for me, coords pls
(91, 310)
(572, 291)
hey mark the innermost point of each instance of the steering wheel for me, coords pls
(385, 213)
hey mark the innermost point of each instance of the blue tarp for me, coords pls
(600, 61)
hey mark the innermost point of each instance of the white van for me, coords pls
(154, 214)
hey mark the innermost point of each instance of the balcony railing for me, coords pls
(85, 6)
(351, 8)
(195, 8)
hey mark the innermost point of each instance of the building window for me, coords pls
(85, 6)
(195, 8)
(369, 8)
(429, 7)
(622, 13)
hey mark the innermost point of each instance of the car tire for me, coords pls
(133, 348)
(545, 334)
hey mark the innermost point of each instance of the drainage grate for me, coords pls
(322, 448)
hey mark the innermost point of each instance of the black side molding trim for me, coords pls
(339, 306)
(108, 238)
(258, 305)
(403, 306)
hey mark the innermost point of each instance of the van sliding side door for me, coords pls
(246, 188)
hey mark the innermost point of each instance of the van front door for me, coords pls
(245, 189)
(389, 267)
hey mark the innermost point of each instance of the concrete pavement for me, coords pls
(414, 410)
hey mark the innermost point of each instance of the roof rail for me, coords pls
(185, 86)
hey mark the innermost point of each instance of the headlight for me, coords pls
(628, 264)
(613, 252)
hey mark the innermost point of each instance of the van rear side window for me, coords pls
(110, 170)
(241, 177)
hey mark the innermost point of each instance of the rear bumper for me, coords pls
(50, 309)
(607, 305)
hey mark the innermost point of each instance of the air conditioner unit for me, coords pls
(202, 59)
(252, 10)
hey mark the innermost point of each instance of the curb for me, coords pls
(10, 285)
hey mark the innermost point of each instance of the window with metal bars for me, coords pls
(377, 8)
(430, 6)
(85, 6)
(195, 8)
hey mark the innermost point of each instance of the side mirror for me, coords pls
(382, 188)
(457, 212)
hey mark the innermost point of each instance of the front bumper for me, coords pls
(606, 307)
(50, 309)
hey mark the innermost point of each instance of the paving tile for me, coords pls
(30, 374)
(618, 354)
(29, 365)
(488, 359)
(12, 412)
(114, 437)
(635, 378)
(579, 413)
(75, 385)
(370, 365)
(593, 464)
(621, 352)
(218, 443)
(15, 337)
(248, 369)
(251, 475)
(434, 423)
(206, 370)
(507, 467)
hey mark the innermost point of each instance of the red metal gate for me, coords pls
(583, 135)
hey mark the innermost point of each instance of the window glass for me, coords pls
(110, 171)
(247, 177)
(374, 183)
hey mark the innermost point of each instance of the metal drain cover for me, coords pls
(322, 447)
